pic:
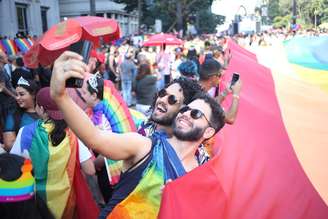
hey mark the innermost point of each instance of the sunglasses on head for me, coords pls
(194, 113)
(171, 98)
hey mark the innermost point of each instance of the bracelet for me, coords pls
(235, 96)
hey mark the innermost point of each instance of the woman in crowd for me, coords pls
(57, 156)
(145, 88)
(25, 112)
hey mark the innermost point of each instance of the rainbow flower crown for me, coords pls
(21, 189)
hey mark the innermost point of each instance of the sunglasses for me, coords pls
(171, 98)
(194, 113)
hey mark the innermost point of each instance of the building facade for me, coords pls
(31, 17)
(104, 8)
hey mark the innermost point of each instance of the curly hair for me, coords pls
(189, 89)
(217, 113)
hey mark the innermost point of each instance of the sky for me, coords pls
(229, 8)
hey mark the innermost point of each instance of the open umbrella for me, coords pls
(161, 39)
(59, 37)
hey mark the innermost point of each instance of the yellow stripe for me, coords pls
(313, 76)
(58, 186)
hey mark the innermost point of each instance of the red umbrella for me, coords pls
(58, 38)
(161, 39)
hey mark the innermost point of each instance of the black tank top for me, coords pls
(128, 181)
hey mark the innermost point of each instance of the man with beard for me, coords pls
(167, 103)
(147, 162)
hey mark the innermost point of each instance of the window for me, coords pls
(109, 15)
(21, 18)
(44, 18)
(100, 14)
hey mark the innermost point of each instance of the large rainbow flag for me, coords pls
(272, 163)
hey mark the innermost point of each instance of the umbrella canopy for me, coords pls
(58, 38)
(161, 39)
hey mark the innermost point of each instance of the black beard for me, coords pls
(194, 135)
(165, 121)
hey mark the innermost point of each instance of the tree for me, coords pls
(309, 12)
(173, 13)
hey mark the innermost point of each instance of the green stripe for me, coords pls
(39, 154)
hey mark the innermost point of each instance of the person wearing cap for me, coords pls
(210, 78)
(23, 114)
(57, 155)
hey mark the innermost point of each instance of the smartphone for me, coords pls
(83, 48)
(234, 79)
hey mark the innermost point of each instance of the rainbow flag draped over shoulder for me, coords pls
(9, 46)
(57, 172)
(22, 44)
(144, 200)
(272, 162)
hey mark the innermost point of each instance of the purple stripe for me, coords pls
(17, 198)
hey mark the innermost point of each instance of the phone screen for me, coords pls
(83, 48)
(234, 79)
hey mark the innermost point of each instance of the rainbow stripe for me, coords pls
(116, 110)
(138, 117)
(54, 170)
(9, 46)
(22, 44)
(120, 120)
(21, 189)
(144, 201)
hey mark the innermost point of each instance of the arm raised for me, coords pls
(112, 145)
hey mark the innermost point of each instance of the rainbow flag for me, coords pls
(118, 115)
(138, 117)
(272, 162)
(22, 44)
(116, 110)
(57, 171)
(9, 46)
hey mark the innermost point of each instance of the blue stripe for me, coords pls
(16, 192)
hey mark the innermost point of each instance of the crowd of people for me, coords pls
(181, 90)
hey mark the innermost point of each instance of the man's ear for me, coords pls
(209, 132)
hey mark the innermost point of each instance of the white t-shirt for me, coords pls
(84, 153)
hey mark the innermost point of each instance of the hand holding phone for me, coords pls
(83, 48)
(234, 79)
